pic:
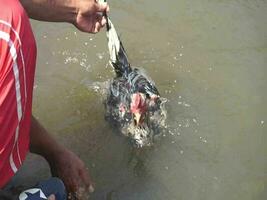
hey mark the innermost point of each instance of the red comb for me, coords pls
(138, 103)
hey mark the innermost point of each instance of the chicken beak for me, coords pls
(137, 117)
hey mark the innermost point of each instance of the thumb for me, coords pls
(101, 7)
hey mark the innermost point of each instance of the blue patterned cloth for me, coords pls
(44, 189)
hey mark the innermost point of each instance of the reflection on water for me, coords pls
(208, 58)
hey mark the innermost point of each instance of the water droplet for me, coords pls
(100, 55)
(262, 122)
(171, 132)
(203, 139)
(186, 105)
(166, 167)
(181, 152)
(180, 54)
(69, 59)
(85, 43)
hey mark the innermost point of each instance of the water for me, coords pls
(208, 58)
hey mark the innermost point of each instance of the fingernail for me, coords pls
(91, 189)
(104, 4)
(103, 21)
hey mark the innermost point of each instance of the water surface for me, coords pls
(208, 58)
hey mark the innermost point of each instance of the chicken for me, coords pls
(133, 102)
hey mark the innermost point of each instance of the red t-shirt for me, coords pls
(17, 66)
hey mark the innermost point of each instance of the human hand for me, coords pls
(63, 163)
(89, 16)
(86, 15)
(72, 171)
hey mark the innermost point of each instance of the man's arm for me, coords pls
(86, 15)
(64, 164)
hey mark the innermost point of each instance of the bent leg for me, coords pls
(43, 190)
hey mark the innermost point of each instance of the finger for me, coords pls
(87, 180)
(84, 174)
(101, 7)
(107, 10)
(103, 21)
(75, 184)
(91, 189)
(100, 21)
(72, 183)
(97, 27)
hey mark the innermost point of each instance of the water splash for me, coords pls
(140, 136)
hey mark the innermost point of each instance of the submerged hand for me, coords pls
(63, 163)
(71, 170)
(90, 17)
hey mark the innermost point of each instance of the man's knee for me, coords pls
(44, 189)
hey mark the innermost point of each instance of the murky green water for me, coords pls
(208, 58)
